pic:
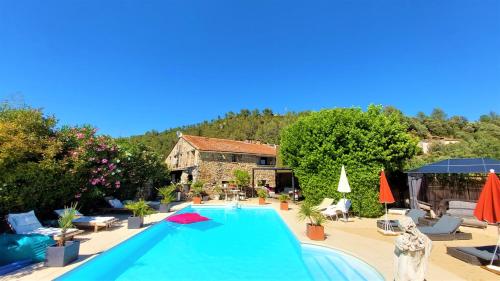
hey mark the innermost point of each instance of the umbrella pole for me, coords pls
(345, 205)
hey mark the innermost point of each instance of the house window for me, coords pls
(234, 158)
(264, 161)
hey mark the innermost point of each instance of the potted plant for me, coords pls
(283, 201)
(167, 197)
(139, 210)
(315, 230)
(217, 192)
(64, 252)
(262, 193)
(196, 191)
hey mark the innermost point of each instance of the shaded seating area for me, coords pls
(94, 222)
(450, 187)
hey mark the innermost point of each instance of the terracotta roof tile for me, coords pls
(224, 145)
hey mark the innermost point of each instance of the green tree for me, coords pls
(317, 145)
(242, 178)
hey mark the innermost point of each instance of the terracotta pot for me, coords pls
(262, 201)
(315, 232)
(196, 200)
(284, 206)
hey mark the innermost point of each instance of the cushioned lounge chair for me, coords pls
(475, 255)
(446, 228)
(86, 221)
(118, 206)
(416, 215)
(324, 204)
(341, 208)
(27, 223)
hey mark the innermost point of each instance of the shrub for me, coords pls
(317, 145)
(166, 193)
(241, 178)
(139, 208)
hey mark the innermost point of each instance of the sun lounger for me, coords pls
(86, 221)
(324, 204)
(475, 255)
(27, 223)
(446, 228)
(416, 215)
(342, 207)
(119, 206)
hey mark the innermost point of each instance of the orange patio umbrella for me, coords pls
(385, 196)
(488, 207)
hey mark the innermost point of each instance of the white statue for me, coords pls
(411, 253)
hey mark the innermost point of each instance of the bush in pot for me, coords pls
(167, 196)
(65, 251)
(196, 191)
(315, 230)
(217, 192)
(284, 201)
(262, 193)
(139, 209)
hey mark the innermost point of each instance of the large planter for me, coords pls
(262, 201)
(284, 206)
(164, 208)
(196, 200)
(135, 222)
(315, 232)
(58, 256)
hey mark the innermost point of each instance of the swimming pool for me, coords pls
(248, 243)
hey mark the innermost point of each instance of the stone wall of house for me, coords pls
(182, 156)
(216, 168)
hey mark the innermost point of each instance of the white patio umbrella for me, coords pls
(343, 186)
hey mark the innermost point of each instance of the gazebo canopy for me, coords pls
(449, 166)
(459, 166)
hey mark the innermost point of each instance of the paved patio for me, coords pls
(358, 237)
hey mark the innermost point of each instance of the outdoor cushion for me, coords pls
(115, 203)
(24, 222)
(484, 252)
(461, 205)
(415, 214)
(187, 218)
(17, 247)
(60, 212)
(445, 225)
(86, 219)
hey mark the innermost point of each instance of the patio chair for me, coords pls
(445, 229)
(86, 221)
(324, 204)
(416, 214)
(119, 206)
(27, 223)
(342, 207)
(481, 255)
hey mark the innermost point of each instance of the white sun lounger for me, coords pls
(27, 223)
(90, 221)
(324, 204)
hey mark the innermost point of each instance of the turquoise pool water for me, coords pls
(236, 244)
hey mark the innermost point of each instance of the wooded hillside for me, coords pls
(477, 138)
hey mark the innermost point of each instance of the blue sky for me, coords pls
(131, 66)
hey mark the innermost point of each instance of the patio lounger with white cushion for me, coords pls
(342, 207)
(90, 221)
(475, 255)
(324, 204)
(27, 223)
(446, 228)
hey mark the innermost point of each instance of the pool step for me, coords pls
(326, 267)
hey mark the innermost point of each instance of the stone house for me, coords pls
(213, 160)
